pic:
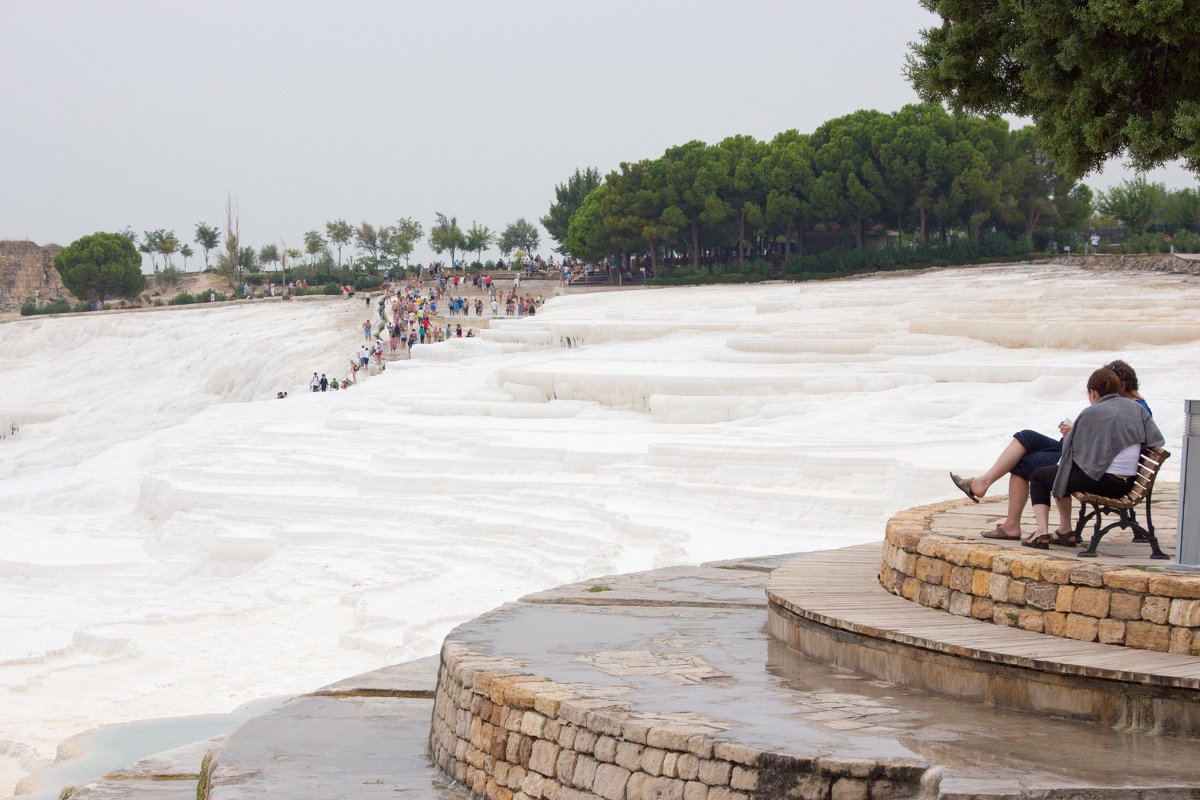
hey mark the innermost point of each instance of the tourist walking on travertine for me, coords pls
(366, 329)
(315, 383)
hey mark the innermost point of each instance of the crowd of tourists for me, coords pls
(421, 311)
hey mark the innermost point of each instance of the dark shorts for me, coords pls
(1040, 451)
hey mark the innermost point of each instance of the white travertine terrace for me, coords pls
(175, 541)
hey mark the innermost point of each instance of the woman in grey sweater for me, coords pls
(1099, 455)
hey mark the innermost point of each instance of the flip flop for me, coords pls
(964, 486)
(996, 533)
(1065, 539)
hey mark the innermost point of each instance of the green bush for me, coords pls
(181, 299)
(331, 288)
(59, 306)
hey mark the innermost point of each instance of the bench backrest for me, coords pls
(1149, 463)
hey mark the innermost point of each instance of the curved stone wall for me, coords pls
(1039, 591)
(505, 734)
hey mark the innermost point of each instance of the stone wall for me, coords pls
(1162, 262)
(508, 735)
(1035, 591)
(26, 269)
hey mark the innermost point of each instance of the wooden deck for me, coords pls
(840, 589)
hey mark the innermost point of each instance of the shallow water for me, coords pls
(176, 542)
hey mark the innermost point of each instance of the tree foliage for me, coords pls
(918, 170)
(339, 232)
(446, 236)
(568, 197)
(208, 238)
(478, 238)
(519, 235)
(1100, 79)
(101, 266)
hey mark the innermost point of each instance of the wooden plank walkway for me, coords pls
(840, 589)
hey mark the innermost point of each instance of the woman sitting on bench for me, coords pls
(1026, 451)
(1099, 455)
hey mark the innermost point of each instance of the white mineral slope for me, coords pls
(175, 542)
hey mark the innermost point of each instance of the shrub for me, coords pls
(181, 299)
(59, 306)
(331, 288)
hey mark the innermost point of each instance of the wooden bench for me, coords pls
(1125, 508)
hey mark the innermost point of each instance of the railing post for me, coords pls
(1187, 546)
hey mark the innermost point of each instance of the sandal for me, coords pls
(1065, 539)
(1041, 542)
(998, 533)
(964, 486)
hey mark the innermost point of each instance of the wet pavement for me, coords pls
(712, 665)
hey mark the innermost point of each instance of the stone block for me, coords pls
(960, 579)
(715, 772)
(564, 766)
(544, 757)
(1087, 575)
(1156, 609)
(1005, 614)
(1002, 564)
(651, 761)
(998, 587)
(1056, 623)
(700, 746)
(606, 749)
(979, 582)
(1175, 586)
(1091, 601)
(533, 784)
(938, 597)
(1041, 595)
(1111, 631)
(1181, 641)
(610, 782)
(721, 793)
(737, 753)
(929, 545)
(960, 604)
(688, 766)
(932, 570)
(849, 789)
(811, 787)
(1083, 628)
(910, 588)
(981, 608)
(1129, 580)
(958, 554)
(744, 779)
(1185, 613)
(694, 790)
(628, 755)
(670, 764)
(585, 772)
(585, 741)
(1147, 636)
(1029, 619)
(982, 557)
(1029, 569)
(1056, 570)
(1125, 606)
(1066, 595)
(1016, 592)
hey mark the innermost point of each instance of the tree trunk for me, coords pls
(924, 227)
(741, 236)
(654, 257)
(695, 244)
(858, 233)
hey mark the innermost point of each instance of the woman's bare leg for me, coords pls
(1008, 459)
(1018, 495)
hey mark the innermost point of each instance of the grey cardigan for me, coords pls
(1102, 430)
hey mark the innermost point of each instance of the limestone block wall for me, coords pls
(1162, 262)
(26, 268)
(506, 735)
(1039, 591)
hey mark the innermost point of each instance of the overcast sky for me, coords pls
(146, 113)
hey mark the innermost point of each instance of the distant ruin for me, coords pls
(27, 273)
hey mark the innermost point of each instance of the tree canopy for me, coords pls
(101, 266)
(519, 235)
(1100, 79)
(917, 170)
(568, 197)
